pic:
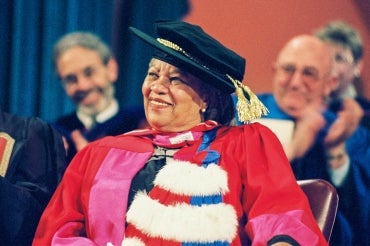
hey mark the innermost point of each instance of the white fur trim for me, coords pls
(186, 178)
(132, 241)
(183, 222)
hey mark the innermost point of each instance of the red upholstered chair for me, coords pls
(323, 199)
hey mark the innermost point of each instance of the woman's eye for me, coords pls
(177, 81)
(153, 75)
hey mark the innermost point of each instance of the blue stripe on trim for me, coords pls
(208, 137)
(212, 158)
(200, 200)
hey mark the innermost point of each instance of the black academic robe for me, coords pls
(124, 121)
(335, 106)
(32, 162)
(353, 218)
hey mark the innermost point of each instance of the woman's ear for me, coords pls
(204, 107)
(204, 104)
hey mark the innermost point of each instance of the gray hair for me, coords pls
(340, 32)
(84, 39)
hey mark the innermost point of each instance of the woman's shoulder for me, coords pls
(124, 142)
(249, 129)
(252, 137)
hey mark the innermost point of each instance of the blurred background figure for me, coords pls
(88, 70)
(32, 162)
(349, 175)
(337, 159)
(302, 81)
(348, 50)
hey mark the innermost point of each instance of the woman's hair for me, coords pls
(220, 105)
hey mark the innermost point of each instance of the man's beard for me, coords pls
(107, 97)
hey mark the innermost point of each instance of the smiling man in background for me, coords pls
(88, 71)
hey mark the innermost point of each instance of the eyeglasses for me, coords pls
(309, 74)
(72, 79)
(343, 59)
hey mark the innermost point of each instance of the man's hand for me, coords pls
(306, 129)
(345, 125)
(79, 140)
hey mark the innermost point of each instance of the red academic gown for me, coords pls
(259, 196)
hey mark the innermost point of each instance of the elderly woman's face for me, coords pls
(172, 100)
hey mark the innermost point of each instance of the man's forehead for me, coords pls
(306, 44)
(306, 58)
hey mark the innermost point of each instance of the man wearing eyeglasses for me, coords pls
(88, 71)
(301, 82)
(321, 143)
(347, 48)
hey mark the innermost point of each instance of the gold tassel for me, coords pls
(247, 109)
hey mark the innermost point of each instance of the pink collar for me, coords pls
(175, 139)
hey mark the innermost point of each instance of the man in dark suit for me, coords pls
(88, 70)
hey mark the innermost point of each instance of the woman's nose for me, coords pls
(160, 86)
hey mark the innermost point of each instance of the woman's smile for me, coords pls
(158, 103)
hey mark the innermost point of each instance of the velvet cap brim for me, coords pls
(199, 53)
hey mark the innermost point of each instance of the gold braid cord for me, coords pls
(247, 109)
